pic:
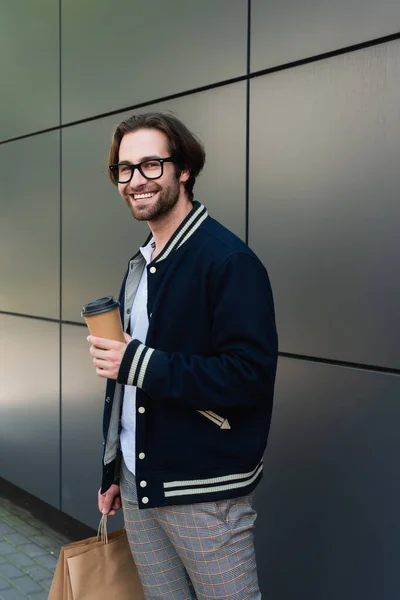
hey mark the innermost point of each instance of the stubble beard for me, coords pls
(167, 200)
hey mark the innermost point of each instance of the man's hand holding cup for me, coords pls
(107, 338)
(107, 355)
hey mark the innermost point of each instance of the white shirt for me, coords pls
(139, 324)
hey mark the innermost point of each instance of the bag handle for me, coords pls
(102, 530)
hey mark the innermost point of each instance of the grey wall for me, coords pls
(302, 162)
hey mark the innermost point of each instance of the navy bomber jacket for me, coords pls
(205, 375)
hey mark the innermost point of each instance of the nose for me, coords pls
(137, 179)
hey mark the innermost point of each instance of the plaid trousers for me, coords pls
(198, 551)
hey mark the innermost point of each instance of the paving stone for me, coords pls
(6, 548)
(48, 560)
(38, 596)
(17, 539)
(45, 541)
(14, 519)
(46, 583)
(28, 530)
(5, 528)
(37, 525)
(4, 584)
(10, 571)
(21, 560)
(12, 594)
(37, 572)
(6, 517)
(32, 550)
(27, 585)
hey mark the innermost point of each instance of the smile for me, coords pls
(143, 196)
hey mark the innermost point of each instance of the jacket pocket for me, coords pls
(216, 419)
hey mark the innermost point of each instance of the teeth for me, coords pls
(141, 196)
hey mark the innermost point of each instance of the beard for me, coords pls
(153, 211)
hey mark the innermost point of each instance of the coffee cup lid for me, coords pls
(98, 306)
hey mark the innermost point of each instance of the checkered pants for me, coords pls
(196, 551)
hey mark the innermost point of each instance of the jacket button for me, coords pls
(153, 269)
(143, 483)
(141, 409)
(142, 455)
(145, 500)
(108, 399)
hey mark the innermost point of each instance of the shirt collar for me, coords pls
(186, 229)
(147, 250)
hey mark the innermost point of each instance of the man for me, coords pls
(189, 395)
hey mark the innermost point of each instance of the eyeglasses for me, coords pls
(150, 169)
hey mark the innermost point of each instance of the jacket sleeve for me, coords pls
(241, 369)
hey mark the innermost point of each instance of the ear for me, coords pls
(184, 176)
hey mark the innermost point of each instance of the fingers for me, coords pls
(110, 501)
(107, 356)
(97, 352)
(103, 343)
(105, 374)
(100, 362)
(115, 506)
(117, 503)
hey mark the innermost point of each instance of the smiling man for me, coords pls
(189, 395)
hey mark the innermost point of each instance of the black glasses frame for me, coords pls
(133, 167)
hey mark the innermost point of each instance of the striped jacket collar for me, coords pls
(186, 229)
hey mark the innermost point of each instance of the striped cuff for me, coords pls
(134, 363)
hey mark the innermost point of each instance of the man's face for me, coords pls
(149, 200)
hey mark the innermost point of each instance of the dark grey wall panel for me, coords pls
(29, 225)
(116, 56)
(289, 30)
(29, 61)
(82, 410)
(324, 209)
(218, 117)
(29, 406)
(99, 235)
(328, 523)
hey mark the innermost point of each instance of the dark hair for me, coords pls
(183, 145)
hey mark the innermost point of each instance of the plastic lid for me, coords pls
(98, 306)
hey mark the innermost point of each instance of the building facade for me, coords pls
(297, 104)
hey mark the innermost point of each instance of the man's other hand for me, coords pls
(110, 501)
(107, 355)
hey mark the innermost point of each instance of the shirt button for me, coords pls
(141, 409)
(128, 311)
(143, 483)
(153, 269)
(145, 500)
(142, 455)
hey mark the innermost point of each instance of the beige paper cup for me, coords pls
(103, 319)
